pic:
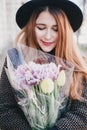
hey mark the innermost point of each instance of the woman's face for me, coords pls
(46, 31)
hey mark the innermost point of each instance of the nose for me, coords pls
(48, 34)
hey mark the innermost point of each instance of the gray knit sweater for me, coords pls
(12, 117)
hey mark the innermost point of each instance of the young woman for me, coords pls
(48, 25)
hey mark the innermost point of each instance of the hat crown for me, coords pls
(73, 12)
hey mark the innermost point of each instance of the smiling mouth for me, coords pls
(47, 43)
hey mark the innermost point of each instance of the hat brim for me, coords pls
(72, 11)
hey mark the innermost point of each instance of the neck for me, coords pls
(52, 52)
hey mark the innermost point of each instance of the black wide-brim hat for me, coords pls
(72, 11)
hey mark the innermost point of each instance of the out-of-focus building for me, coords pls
(8, 27)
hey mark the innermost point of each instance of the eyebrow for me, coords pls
(44, 24)
(40, 24)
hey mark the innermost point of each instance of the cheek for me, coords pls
(56, 36)
(37, 33)
(55, 44)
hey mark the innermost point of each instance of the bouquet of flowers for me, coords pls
(41, 86)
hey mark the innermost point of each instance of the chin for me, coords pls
(47, 50)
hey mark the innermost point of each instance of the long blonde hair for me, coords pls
(66, 48)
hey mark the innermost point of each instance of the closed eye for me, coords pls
(41, 28)
(55, 28)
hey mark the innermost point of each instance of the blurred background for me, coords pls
(9, 29)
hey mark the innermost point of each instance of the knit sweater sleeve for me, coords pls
(75, 118)
(11, 116)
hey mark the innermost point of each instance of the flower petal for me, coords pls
(61, 78)
(47, 86)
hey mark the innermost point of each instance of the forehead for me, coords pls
(46, 17)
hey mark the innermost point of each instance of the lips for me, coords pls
(46, 43)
